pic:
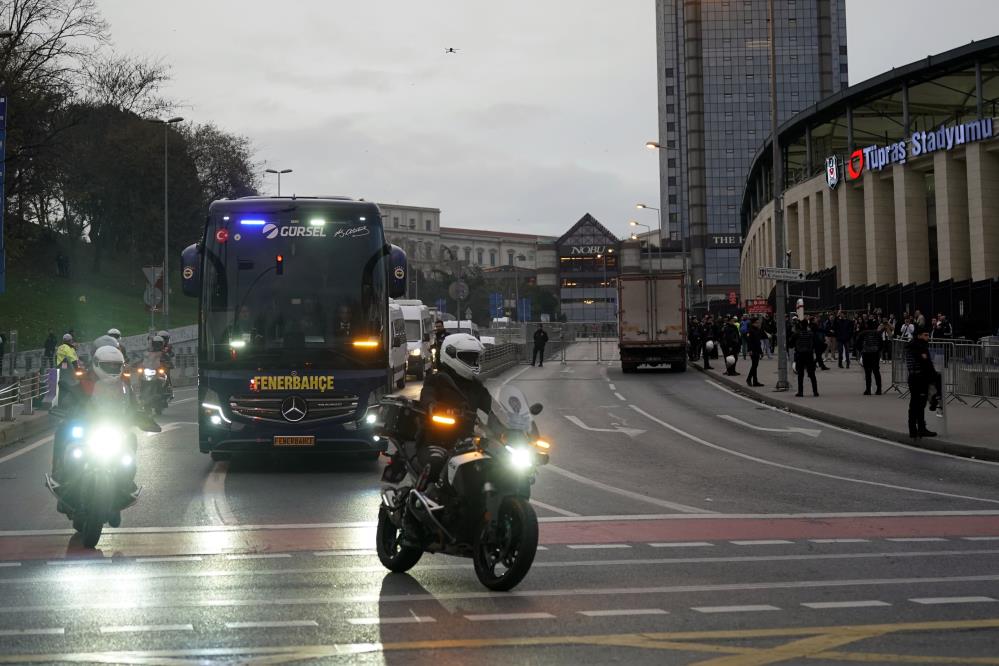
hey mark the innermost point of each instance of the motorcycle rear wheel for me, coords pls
(391, 553)
(513, 550)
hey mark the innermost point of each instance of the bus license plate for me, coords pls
(297, 440)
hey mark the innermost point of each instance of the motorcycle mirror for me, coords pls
(536, 408)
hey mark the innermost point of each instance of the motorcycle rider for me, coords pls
(66, 357)
(101, 389)
(439, 334)
(116, 334)
(166, 358)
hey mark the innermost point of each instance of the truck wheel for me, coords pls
(629, 367)
(401, 384)
(679, 367)
(420, 371)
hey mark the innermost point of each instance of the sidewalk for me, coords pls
(972, 433)
(24, 427)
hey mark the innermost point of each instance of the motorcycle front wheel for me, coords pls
(502, 560)
(92, 528)
(391, 553)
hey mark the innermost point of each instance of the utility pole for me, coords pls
(778, 199)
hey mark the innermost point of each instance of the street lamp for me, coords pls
(659, 214)
(166, 214)
(279, 176)
(778, 195)
(655, 145)
(635, 223)
(603, 256)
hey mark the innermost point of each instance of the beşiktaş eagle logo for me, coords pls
(832, 172)
(270, 231)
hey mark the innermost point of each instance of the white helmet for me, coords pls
(157, 342)
(106, 341)
(709, 345)
(730, 361)
(114, 333)
(108, 363)
(164, 334)
(461, 354)
(67, 338)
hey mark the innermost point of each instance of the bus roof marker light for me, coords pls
(365, 344)
(237, 344)
(252, 223)
(317, 222)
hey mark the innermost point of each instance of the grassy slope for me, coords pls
(90, 303)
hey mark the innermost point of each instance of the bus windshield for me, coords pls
(289, 292)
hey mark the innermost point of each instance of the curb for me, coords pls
(930, 444)
(19, 431)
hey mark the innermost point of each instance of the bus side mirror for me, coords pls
(398, 277)
(190, 270)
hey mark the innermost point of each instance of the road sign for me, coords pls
(468, 313)
(458, 290)
(784, 274)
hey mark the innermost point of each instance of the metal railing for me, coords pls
(498, 358)
(968, 370)
(23, 391)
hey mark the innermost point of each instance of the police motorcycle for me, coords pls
(151, 376)
(479, 506)
(93, 466)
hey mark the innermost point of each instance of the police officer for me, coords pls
(922, 375)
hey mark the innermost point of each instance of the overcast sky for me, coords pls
(540, 117)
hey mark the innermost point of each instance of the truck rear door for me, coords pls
(668, 311)
(636, 325)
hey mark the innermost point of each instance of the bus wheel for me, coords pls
(401, 383)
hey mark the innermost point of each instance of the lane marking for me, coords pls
(406, 619)
(681, 544)
(144, 628)
(514, 375)
(748, 608)
(801, 431)
(761, 542)
(981, 538)
(642, 562)
(56, 631)
(172, 558)
(10, 564)
(275, 624)
(597, 546)
(819, 605)
(343, 553)
(178, 402)
(952, 600)
(259, 556)
(688, 515)
(675, 506)
(840, 540)
(30, 447)
(213, 499)
(69, 563)
(630, 432)
(846, 431)
(503, 617)
(611, 387)
(915, 539)
(619, 396)
(771, 463)
(553, 509)
(623, 612)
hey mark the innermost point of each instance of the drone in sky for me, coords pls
(451, 50)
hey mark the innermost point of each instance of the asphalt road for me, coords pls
(681, 523)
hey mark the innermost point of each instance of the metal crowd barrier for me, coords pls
(968, 370)
(498, 358)
(22, 391)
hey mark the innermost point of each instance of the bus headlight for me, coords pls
(213, 408)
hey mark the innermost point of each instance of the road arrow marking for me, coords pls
(630, 432)
(803, 431)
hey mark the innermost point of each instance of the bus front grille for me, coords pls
(320, 408)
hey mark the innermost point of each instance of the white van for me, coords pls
(397, 345)
(419, 329)
(462, 326)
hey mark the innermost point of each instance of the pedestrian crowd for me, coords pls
(815, 340)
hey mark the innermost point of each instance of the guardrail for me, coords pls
(23, 391)
(967, 370)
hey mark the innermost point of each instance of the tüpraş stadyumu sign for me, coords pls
(876, 158)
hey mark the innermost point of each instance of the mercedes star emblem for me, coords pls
(294, 408)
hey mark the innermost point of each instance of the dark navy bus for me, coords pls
(294, 334)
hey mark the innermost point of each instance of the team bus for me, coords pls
(294, 336)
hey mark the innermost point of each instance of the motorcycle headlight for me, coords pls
(414, 352)
(106, 441)
(148, 372)
(77, 432)
(521, 458)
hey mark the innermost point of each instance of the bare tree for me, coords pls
(126, 83)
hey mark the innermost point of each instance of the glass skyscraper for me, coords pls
(714, 110)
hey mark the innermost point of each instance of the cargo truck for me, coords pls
(652, 320)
